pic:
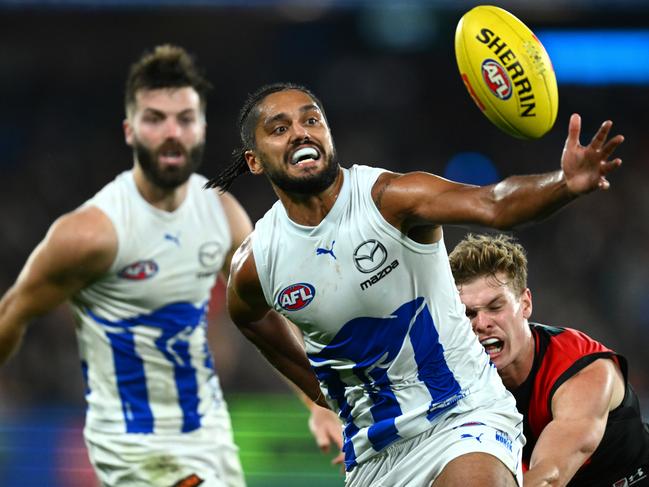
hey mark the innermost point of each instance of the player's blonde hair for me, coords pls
(487, 255)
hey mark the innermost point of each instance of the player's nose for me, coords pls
(172, 129)
(299, 131)
(480, 323)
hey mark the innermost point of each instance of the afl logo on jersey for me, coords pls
(296, 296)
(497, 79)
(137, 271)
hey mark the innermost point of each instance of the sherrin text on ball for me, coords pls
(507, 72)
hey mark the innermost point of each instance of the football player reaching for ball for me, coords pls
(356, 259)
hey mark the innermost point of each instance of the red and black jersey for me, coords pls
(624, 450)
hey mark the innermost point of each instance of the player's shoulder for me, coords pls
(87, 230)
(562, 335)
(243, 270)
(82, 241)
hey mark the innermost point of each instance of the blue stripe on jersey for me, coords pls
(371, 346)
(177, 322)
(131, 383)
(84, 373)
(432, 368)
(177, 352)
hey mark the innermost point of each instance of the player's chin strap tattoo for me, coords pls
(225, 178)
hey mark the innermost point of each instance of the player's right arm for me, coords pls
(266, 328)
(421, 199)
(580, 408)
(78, 248)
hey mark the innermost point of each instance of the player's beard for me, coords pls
(309, 184)
(169, 177)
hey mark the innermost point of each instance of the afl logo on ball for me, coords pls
(497, 79)
(296, 296)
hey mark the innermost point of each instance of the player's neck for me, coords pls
(162, 198)
(310, 210)
(519, 370)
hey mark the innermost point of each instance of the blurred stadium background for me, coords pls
(386, 73)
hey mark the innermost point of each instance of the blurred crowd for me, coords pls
(400, 108)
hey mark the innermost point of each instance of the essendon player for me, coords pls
(582, 418)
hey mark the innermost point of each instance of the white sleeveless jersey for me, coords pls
(384, 328)
(142, 327)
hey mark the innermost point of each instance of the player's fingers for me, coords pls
(598, 139)
(603, 183)
(321, 439)
(574, 127)
(611, 145)
(609, 166)
(338, 459)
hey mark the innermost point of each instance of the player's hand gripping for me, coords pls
(586, 167)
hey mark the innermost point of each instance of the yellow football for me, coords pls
(507, 72)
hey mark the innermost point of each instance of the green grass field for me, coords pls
(275, 444)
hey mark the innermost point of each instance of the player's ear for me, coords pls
(254, 163)
(128, 131)
(526, 303)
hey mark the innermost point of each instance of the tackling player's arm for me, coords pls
(419, 199)
(580, 408)
(78, 248)
(240, 227)
(266, 328)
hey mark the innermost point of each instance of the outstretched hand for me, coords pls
(586, 167)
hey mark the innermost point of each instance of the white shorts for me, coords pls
(156, 460)
(417, 461)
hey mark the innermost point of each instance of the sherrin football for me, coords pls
(507, 72)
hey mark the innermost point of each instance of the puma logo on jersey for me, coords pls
(469, 435)
(296, 296)
(173, 238)
(324, 251)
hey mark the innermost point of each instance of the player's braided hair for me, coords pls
(167, 66)
(246, 124)
(486, 255)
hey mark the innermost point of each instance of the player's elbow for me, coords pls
(591, 441)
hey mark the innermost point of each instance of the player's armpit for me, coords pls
(580, 410)
(78, 248)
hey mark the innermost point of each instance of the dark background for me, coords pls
(396, 103)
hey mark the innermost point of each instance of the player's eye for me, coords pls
(152, 118)
(279, 130)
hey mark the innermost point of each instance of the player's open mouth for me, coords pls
(493, 346)
(305, 154)
(172, 156)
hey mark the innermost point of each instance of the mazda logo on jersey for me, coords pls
(296, 296)
(369, 256)
(209, 254)
(137, 271)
